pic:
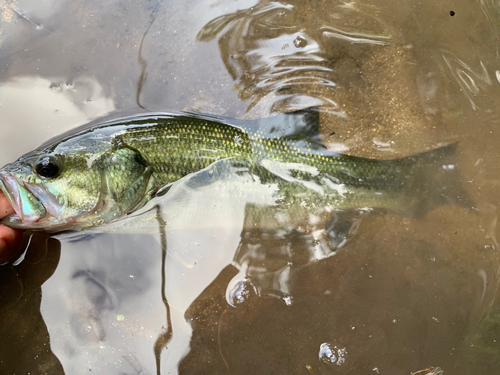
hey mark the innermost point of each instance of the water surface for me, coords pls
(232, 285)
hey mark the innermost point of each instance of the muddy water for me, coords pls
(226, 287)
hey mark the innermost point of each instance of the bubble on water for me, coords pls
(240, 291)
(332, 355)
(288, 300)
(300, 42)
(55, 86)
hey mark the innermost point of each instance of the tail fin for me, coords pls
(436, 178)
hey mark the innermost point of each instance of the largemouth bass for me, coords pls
(102, 173)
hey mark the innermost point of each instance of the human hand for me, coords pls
(10, 239)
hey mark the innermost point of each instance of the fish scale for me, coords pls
(185, 148)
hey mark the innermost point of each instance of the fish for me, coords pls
(105, 171)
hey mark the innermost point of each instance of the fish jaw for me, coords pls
(37, 208)
(29, 210)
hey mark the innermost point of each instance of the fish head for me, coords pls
(50, 190)
(54, 190)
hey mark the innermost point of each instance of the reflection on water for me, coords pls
(22, 325)
(340, 55)
(251, 287)
(281, 54)
(105, 304)
(60, 104)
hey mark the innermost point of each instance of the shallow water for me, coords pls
(228, 288)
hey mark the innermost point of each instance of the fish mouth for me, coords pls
(29, 210)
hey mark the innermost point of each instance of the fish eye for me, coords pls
(47, 167)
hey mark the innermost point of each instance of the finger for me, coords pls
(10, 243)
(5, 207)
(10, 239)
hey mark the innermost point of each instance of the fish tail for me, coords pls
(436, 179)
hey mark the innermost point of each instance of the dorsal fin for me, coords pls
(298, 125)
